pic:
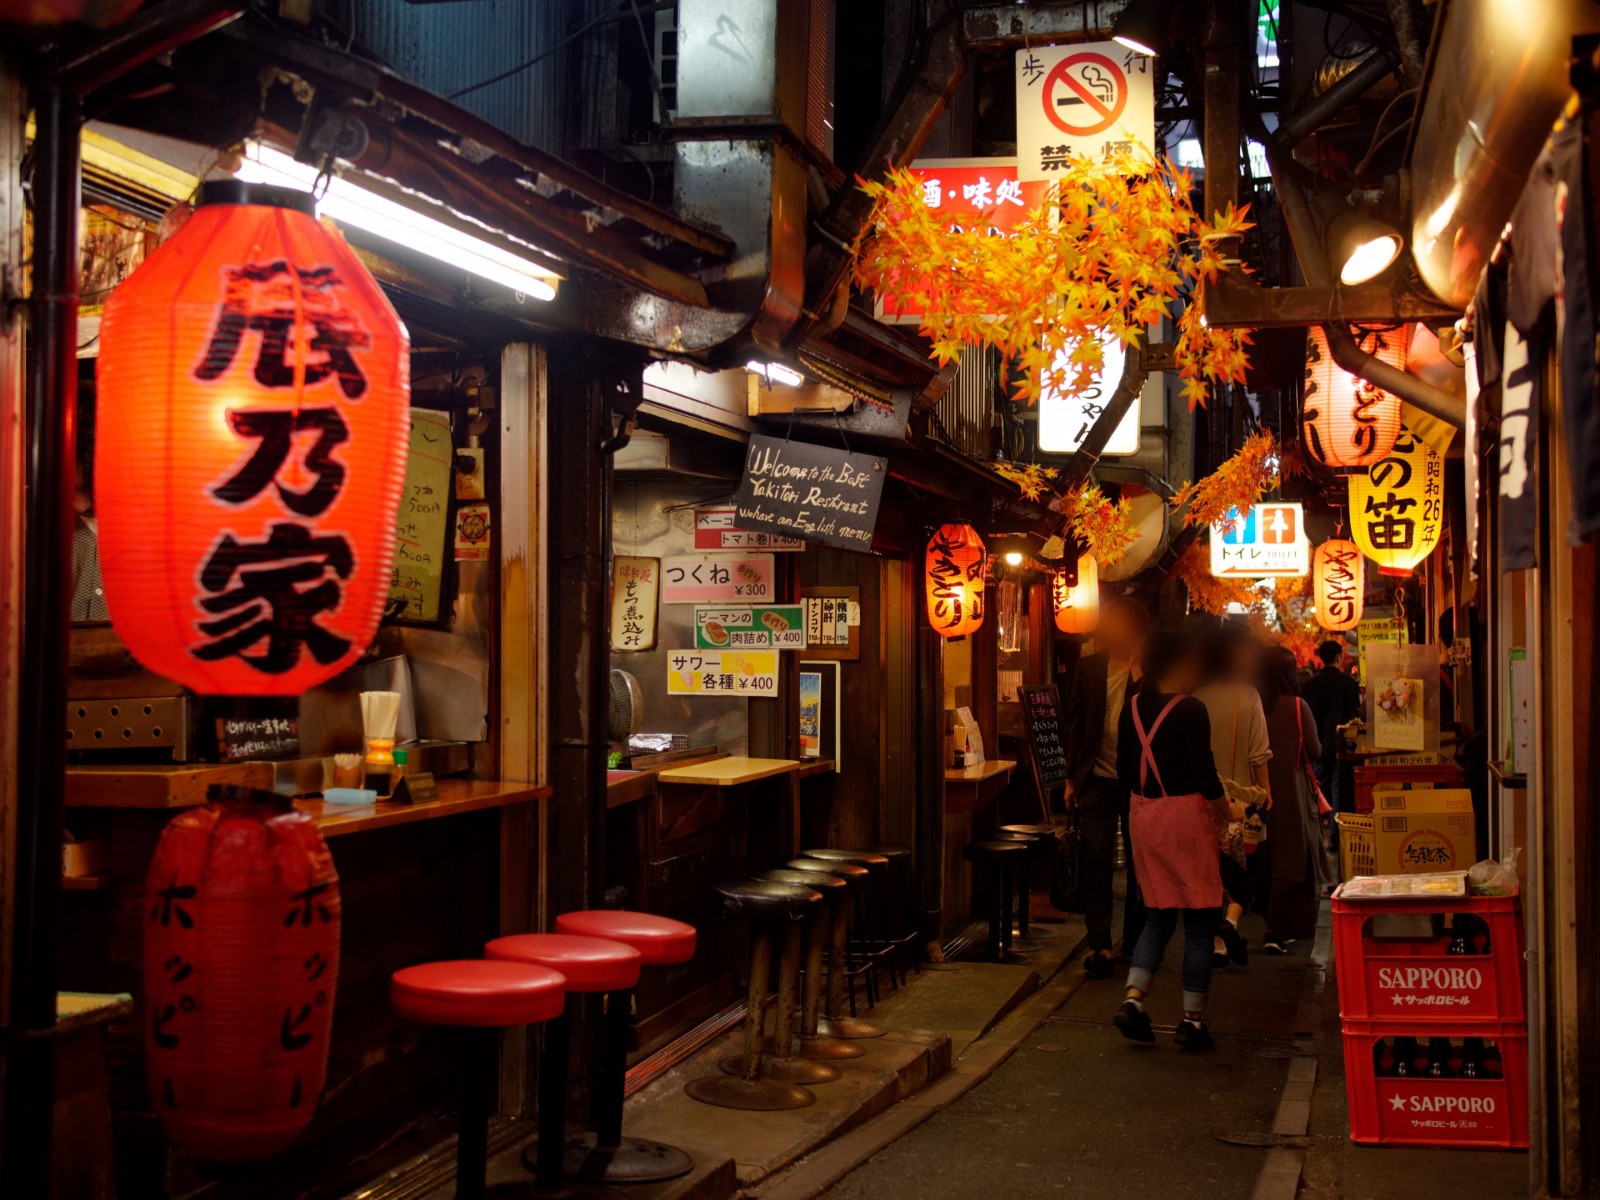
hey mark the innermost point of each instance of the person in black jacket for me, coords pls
(1103, 683)
(1334, 698)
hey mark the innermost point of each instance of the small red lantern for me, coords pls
(254, 406)
(1338, 572)
(241, 958)
(955, 581)
(1077, 605)
(1349, 422)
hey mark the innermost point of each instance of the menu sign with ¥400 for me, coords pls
(714, 530)
(722, 673)
(779, 627)
(716, 579)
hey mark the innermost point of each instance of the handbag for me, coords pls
(1066, 867)
(1323, 807)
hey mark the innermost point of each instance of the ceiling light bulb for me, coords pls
(1013, 559)
(775, 372)
(1142, 27)
(1361, 247)
(1370, 259)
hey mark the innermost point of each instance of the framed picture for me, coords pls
(819, 710)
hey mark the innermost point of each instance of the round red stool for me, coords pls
(481, 998)
(605, 1156)
(591, 965)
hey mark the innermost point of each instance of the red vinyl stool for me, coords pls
(605, 1156)
(591, 965)
(481, 998)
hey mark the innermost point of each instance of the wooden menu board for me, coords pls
(833, 621)
(423, 526)
(1041, 717)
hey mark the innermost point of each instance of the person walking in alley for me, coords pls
(1177, 808)
(1334, 698)
(1100, 689)
(1296, 864)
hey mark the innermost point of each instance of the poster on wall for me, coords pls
(423, 524)
(819, 711)
(812, 492)
(635, 586)
(715, 529)
(716, 578)
(774, 627)
(722, 673)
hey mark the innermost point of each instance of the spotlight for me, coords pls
(1013, 559)
(1361, 247)
(1142, 27)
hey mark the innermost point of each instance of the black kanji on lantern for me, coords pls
(1392, 530)
(275, 300)
(271, 591)
(307, 903)
(274, 431)
(169, 909)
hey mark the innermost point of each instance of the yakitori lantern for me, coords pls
(955, 581)
(1397, 505)
(1077, 605)
(1348, 422)
(241, 959)
(253, 411)
(1338, 573)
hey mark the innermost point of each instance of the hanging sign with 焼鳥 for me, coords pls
(635, 587)
(1338, 574)
(1081, 100)
(813, 492)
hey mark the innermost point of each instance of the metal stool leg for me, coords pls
(834, 1023)
(782, 1065)
(746, 1090)
(472, 1137)
(811, 1044)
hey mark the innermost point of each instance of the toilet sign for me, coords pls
(1268, 541)
(1086, 100)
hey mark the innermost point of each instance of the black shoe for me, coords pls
(1218, 961)
(1098, 965)
(1194, 1036)
(1273, 944)
(1237, 950)
(1134, 1023)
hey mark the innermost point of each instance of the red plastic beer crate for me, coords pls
(1479, 1114)
(1370, 775)
(1413, 981)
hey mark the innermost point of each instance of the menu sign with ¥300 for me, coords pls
(716, 579)
(1041, 711)
(714, 530)
(796, 489)
(722, 673)
(780, 627)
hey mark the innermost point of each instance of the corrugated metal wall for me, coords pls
(445, 47)
(966, 410)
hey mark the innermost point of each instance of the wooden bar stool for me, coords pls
(1004, 857)
(1041, 846)
(605, 1156)
(591, 966)
(871, 940)
(901, 917)
(810, 1044)
(1017, 896)
(481, 998)
(773, 909)
(834, 1021)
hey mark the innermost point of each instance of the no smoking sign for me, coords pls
(1086, 100)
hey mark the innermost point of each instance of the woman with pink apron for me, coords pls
(1178, 808)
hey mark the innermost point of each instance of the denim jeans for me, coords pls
(1199, 927)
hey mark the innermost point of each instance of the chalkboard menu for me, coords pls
(423, 526)
(243, 738)
(1041, 713)
(812, 492)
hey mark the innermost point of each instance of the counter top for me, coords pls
(455, 796)
(986, 770)
(160, 785)
(814, 766)
(728, 772)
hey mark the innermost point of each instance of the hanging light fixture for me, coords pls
(1361, 246)
(1077, 603)
(253, 409)
(1346, 421)
(1397, 506)
(1338, 573)
(1142, 27)
(954, 571)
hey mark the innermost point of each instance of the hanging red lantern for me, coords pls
(1338, 572)
(1349, 422)
(253, 411)
(955, 581)
(1077, 605)
(241, 958)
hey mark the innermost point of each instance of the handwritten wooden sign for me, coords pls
(635, 589)
(797, 489)
(423, 526)
(1041, 712)
(242, 738)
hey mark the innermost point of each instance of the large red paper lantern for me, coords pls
(241, 959)
(253, 411)
(1077, 605)
(1349, 422)
(954, 566)
(1338, 573)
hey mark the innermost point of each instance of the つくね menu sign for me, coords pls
(813, 492)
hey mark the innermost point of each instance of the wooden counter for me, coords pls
(455, 796)
(967, 788)
(728, 772)
(162, 785)
(629, 787)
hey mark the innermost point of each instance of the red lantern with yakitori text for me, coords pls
(1077, 605)
(241, 959)
(954, 565)
(1349, 422)
(253, 414)
(1338, 573)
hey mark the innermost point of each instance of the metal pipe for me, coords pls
(1366, 75)
(1342, 345)
(47, 575)
(1127, 393)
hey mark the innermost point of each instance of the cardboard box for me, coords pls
(1426, 829)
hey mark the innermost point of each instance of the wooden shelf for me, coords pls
(814, 766)
(728, 772)
(629, 787)
(987, 770)
(85, 883)
(456, 796)
(162, 785)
